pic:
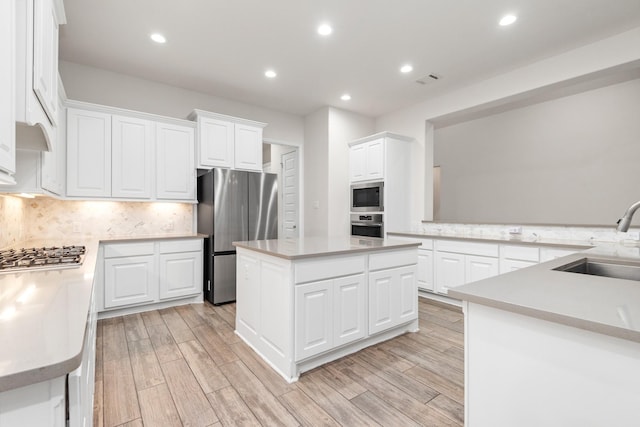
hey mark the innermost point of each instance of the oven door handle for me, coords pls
(367, 224)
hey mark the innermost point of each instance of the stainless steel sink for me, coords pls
(604, 268)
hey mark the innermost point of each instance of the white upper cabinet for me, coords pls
(132, 157)
(88, 153)
(36, 54)
(7, 102)
(228, 142)
(366, 161)
(175, 169)
(215, 143)
(54, 161)
(45, 57)
(248, 147)
(122, 154)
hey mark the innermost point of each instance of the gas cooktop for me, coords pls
(44, 258)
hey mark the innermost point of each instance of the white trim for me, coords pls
(196, 113)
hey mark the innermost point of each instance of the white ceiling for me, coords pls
(223, 47)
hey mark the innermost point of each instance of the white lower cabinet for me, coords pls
(480, 267)
(449, 271)
(313, 318)
(329, 313)
(425, 270)
(150, 272)
(180, 272)
(393, 298)
(129, 274)
(349, 309)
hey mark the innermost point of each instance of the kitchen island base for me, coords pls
(298, 313)
(524, 371)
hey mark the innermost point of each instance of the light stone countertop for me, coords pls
(573, 244)
(309, 247)
(43, 317)
(43, 314)
(599, 304)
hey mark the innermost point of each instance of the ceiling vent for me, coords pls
(429, 78)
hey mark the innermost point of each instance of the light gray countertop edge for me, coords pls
(328, 253)
(578, 300)
(487, 239)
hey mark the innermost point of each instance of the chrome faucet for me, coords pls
(625, 221)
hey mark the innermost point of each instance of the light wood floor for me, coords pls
(184, 366)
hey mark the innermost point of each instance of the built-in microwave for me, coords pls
(367, 197)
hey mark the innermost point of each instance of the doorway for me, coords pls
(285, 161)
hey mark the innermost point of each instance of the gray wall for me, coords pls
(573, 160)
(104, 87)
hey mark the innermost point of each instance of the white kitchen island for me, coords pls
(545, 347)
(304, 302)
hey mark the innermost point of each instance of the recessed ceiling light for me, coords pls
(325, 29)
(270, 73)
(345, 97)
(406, 68)
(158, 38)
(508, 20)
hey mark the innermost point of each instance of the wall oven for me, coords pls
(369, 225)
(368, 197)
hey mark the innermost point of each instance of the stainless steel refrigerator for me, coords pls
(233, 206)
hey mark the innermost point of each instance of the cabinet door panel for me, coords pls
(313, 313)
(88, 153)
(349, 309)
(425, 269)
(357, 163)
(248, 291)
(215, 143)
(130, 280)
(449, 271)
(180, 274)
(175, 162)
(45, 57)
(131, 157)
(248, 148)
(375, 159)
(478, 268)
(407, 294)
(381, 301)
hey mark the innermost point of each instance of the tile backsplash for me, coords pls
(43, 217)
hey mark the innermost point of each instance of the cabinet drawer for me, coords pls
(469, 248)
(524, 253)
(186, 245)
(312, 270)
(128, 249)
(391, 259)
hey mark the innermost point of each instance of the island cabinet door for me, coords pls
(349, 309)
(314, 318)
(393, 298)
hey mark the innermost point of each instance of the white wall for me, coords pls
(573, 160)
(104, 87)
(523, 82)
(326, 157)
(316, 161)
(344, 126)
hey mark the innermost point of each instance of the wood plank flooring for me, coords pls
(184, 366)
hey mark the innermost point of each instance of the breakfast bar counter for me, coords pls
(301, 303)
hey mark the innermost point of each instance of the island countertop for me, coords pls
(599, 304)
(309, 247)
